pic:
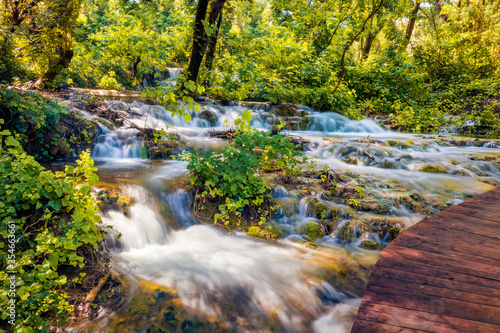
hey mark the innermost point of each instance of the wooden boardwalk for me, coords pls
(440, 275)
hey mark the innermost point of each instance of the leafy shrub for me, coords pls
(29, 112)
(36, 123)
(231, 177)
(109, 82)
(418, 120)
(55, 223)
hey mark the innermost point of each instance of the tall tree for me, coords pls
(411, 23)
(199, 40)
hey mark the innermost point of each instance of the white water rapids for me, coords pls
(246, 282)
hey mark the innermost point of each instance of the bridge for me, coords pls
(440, 275)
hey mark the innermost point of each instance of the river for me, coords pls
(184, 276)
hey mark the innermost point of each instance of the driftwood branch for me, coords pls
(92, 295)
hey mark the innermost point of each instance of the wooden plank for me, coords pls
(453, 263)
(447, 291)
(433, 304)
(455, 284)
(441, 275)
(479, 238)
(431, 240)
(480, 210)
(436, 271)
(368, 326)
(464, 223)
(420, 320)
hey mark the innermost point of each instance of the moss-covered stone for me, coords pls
(381, 226)
(271, 232)
(369, 245)
(209, 116)
(433, 168)
(318, 209)
(312, 231)
(345, 232)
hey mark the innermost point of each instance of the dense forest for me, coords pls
(368, 67)
(419, 61)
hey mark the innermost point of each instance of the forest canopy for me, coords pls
(415, 60)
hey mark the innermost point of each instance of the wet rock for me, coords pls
(163, 149)
(280, 192)
(321, 211)
(209, 116)
(345, 232)
(397, 144)
(113, 199)
(433, 168)
(381, 226)
(369, 245)
(331, 226)
(288, 110)
(351, 160)
(373, 206)
(272, 232)
(312, 231)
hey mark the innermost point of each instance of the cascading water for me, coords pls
(252, 285)
(117, 144)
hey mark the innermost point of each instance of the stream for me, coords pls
(184, 276)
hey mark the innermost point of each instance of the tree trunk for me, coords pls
(411, 23)
(375, 9)
(199, 41)
(367, 47)
(63, 62)
(215, 16)
(439, 8)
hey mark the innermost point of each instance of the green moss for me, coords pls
(312, 231)
(271, 232)
(369, 245)
(433, 168)
(345, 232)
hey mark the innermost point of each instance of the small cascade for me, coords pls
(330, 122)
(117, 144)
(179, 205)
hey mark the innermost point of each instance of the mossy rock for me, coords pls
(394, 232)
(112, 199)
(345, 232)
(317, 209)
(433, 168)
(369, 245)
(289, 209)
(331, 226)
(271, 232)
(381, 226)
(312, 231)
(349, 213)
(374, 206)
(304, 122)
(209, 116)
(287, 110)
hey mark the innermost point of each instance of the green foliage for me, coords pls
(312, 231)
(231, 175)
(169, 94)
(29, 112)
(35, 122)
(56, 221)
(270, 232)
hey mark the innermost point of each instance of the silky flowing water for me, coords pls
(182, 275)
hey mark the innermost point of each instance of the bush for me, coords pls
(52, 217)
(36, 122)
(231, 176)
